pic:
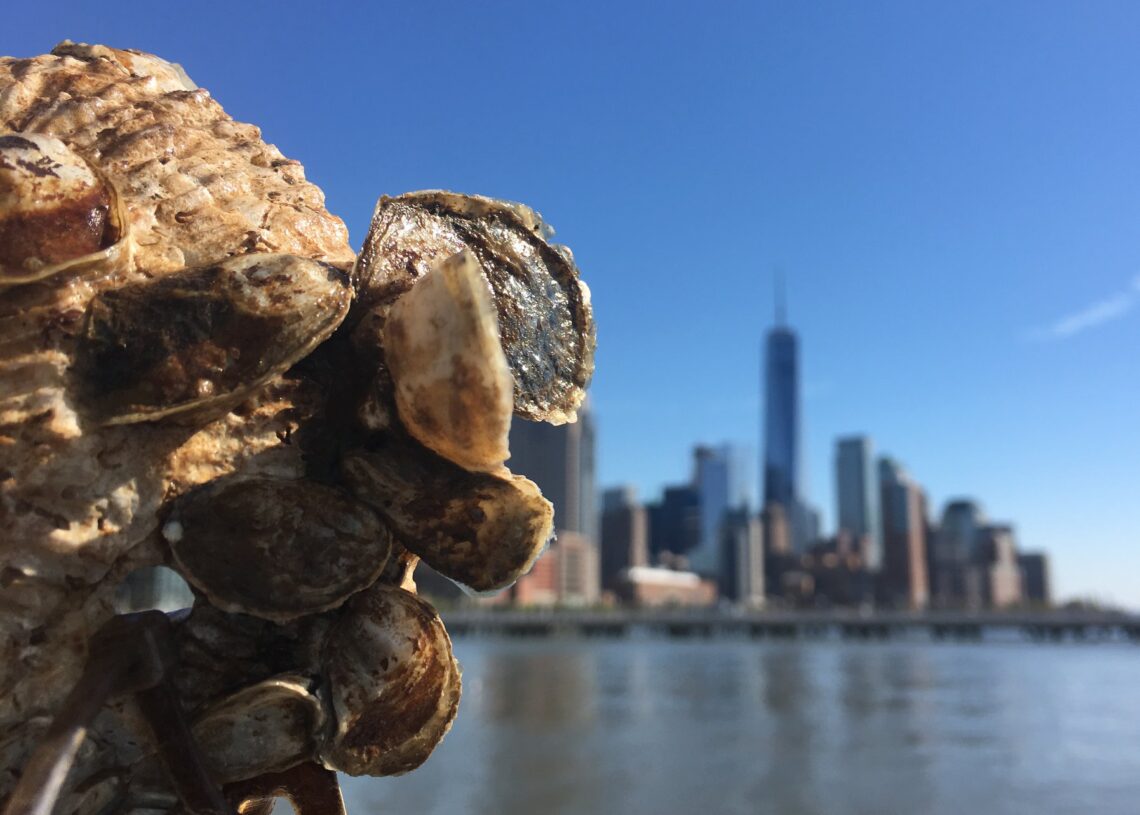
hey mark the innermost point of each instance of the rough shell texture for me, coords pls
(199, 188)
(80, 509)
(193, 372)
(394, 683)
(57, 211)
(219, 653)
(203, 337)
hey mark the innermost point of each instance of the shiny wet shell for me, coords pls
(546, 321)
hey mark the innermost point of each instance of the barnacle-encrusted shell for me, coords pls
(481, 530)
(174, 389)
(276, 549)
(453, 386)
(198, 185)
(56, 211)
(393, 681)
(546, 322)
(266, 727)
(79, 505)
(204, 337)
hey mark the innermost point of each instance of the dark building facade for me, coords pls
(1035, 582)
(624, 535)
(781, 419)
(720, 481)
(675, 522)
(954, 580)
(560, 460)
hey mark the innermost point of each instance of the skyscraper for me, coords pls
(560, 460)
(904, 576)
(1035, 578)
(675, 522)
(858, 498)
(962, 520)
(718, 478)
(625, 534)
(952, 580)
(780, 466)
(995, 557)
(741, 576)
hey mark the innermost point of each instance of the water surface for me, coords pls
(570, 726)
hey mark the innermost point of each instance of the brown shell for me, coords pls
(393, 681)
(481, 530)
(57, 212)
(276, 549)
(219, 653)
(203, 337)
(266, 727)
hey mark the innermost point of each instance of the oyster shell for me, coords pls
(481, 530)
(453, 386)
(546, 322)
(204, 337)
(56, 211)
(393, 681)
(189, 376)
(267, 727)
(80, 504)
(276, 549)
(220, 653)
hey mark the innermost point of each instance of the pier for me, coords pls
(949, 626)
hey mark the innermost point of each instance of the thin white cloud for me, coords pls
(1092, 316)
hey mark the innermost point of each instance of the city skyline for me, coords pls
(904, 556)
(951, 192)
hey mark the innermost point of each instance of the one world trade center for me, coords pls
(781, 461)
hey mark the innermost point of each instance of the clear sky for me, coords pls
(951, 189)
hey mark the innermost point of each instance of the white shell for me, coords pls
(454, 390)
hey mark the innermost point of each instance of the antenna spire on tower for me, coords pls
(781, 304)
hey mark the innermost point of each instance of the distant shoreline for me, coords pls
(1034, 626)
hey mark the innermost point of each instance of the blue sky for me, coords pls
(952, 191)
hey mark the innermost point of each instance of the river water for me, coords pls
(629, 727)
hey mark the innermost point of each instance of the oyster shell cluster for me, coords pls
(197, 371)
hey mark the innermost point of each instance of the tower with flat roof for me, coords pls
(857, 496)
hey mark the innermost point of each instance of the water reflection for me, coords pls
(788, 753)
(737, 727)
(540, 688)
